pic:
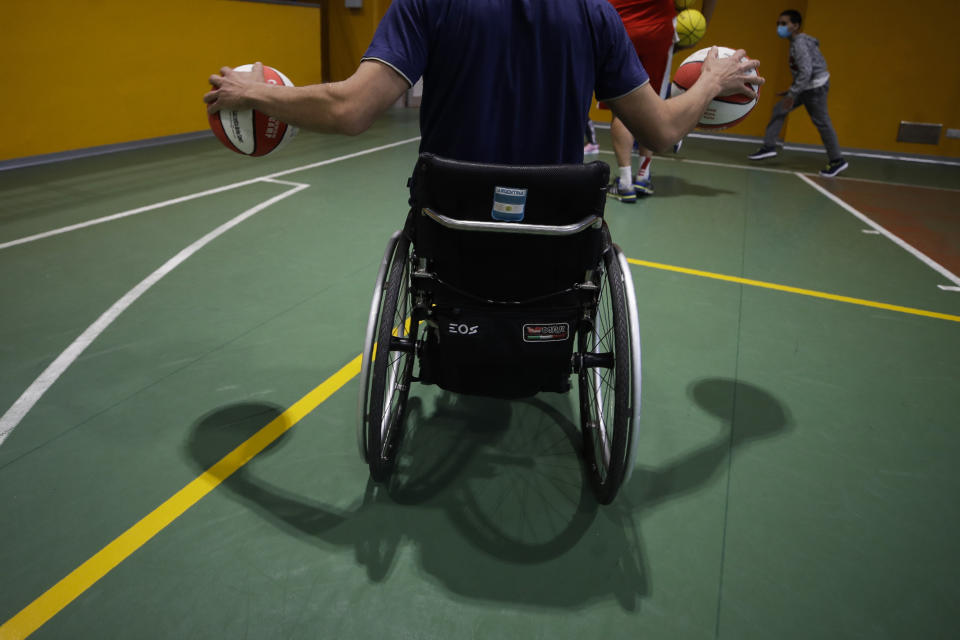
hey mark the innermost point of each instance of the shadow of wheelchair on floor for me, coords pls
(493, 495)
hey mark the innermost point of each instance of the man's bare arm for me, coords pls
(348, 107)
(659, 124)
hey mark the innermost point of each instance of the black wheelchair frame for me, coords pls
(505, 309)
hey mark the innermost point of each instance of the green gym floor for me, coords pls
(179, 343)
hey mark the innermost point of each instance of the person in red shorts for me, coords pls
(649, 24)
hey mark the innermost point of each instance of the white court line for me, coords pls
(875, 228)
(754, 167)
(122, 214)
(193, 196)
(711, 163)
(286, 182)
(727, 165)
(815, 149)
(26, 401)
(922, 257)
(856, 154)
(894, 184)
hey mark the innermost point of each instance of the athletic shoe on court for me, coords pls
(643, 187)
(591, 149)
(835, 167)
(763, 152)
(676, 147)
(623, 194)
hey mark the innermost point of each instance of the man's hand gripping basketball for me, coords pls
(232, 89)
(730, 75)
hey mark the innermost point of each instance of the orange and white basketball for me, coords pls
(250, 132)
(723, 111)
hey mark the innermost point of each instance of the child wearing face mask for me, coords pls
(811, 83)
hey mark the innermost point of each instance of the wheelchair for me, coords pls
(506, 309)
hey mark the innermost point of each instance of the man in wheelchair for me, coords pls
(504, 280)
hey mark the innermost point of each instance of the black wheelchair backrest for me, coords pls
(556, 194)
(513, 261)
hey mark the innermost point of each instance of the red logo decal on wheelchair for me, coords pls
(553, 332)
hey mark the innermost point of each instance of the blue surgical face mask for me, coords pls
(783, 31)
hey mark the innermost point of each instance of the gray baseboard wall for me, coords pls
(29, 161)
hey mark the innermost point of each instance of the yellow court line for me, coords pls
(797, 290)
(83, 577)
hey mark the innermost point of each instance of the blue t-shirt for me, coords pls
(508, 81)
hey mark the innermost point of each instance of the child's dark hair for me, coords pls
(794, 16)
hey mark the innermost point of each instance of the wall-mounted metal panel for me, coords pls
(920, 132)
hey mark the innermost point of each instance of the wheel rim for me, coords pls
(392, 366)
(636, 368)
(605, 381)
(602, 381)
(399, 367)
(369, 344)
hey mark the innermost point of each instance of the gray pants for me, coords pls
(815, 100)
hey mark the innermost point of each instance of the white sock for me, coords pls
(625, 180)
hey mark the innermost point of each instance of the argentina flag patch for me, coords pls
(508, 204)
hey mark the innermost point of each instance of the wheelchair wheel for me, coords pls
(609, 379)
(387, 364)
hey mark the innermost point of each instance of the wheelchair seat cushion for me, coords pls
(506, 354)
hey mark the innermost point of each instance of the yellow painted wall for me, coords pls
(887, 64)
(93, 72)
(901, 66)
(350, 32)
